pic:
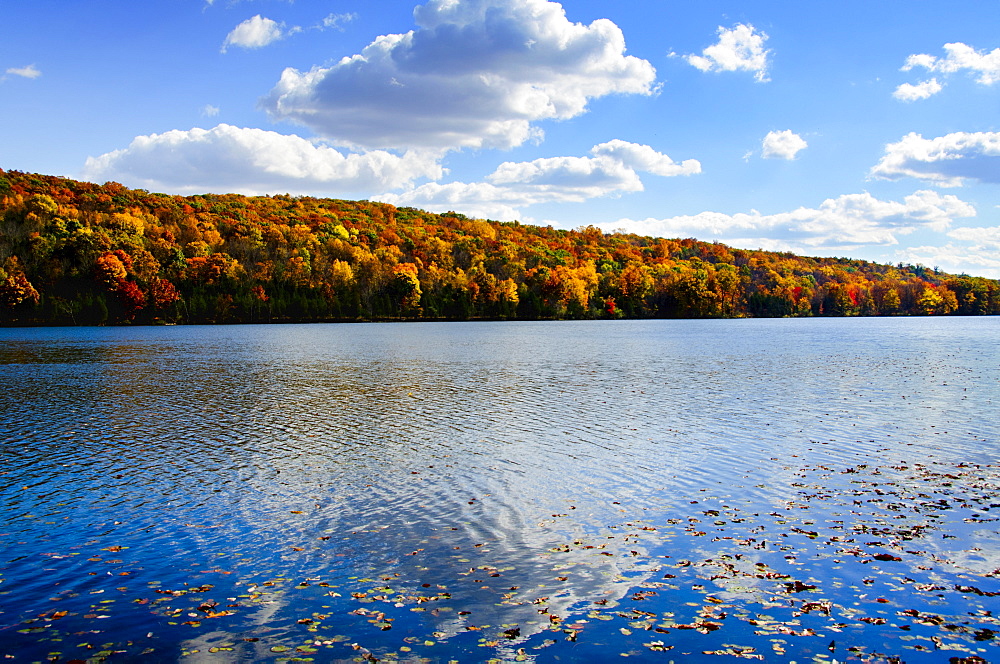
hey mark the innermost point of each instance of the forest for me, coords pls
(79, 253)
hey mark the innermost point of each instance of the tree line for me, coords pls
(79, 253)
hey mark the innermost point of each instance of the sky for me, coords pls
(867, 129)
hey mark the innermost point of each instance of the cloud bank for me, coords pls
(986, 238)
(612, 170)
(847, 222)
(254, 161)
(950, 257)
(477, 73)
(946, 161)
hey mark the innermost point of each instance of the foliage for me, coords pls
(81, 253)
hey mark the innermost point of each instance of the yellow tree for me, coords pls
(405, 286)
(937, 301)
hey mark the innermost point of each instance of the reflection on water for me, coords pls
(523, 491)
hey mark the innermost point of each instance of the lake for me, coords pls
(770, 489)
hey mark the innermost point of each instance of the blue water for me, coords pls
(801, 489)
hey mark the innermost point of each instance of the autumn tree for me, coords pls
(405, 288)
(105, 253)
(15, 289)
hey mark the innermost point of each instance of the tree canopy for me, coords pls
(80, 253)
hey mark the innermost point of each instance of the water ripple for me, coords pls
(457, 456)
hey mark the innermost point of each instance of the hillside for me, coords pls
(79, 253)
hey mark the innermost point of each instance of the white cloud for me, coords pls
(476, 73)
(977, 252)
(514, 185)
(955, 259)
(564, 179)
(645, 158)
(846, 222)
(254, 161)
(782, 145)
(256, 32)
(945, 160)
(738, 49)
(960, 57)
(210, 111)
(908, 92)
(981, 256)
(336, 21)
(25, 72)
(476, 199)
(982, 238)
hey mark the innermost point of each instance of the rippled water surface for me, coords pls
(808, 489)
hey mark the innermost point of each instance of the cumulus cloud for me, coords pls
(847, 222)
(908, 92)
(476, 73)
(645, 158)
(613, 170)
(210, 111)
(959, 57)
(738, 49)
(254, 161)
(25, 72)
(564, 179)
(946, 160)
(782, 145)
(256, 32)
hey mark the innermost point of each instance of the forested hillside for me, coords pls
(78, 253)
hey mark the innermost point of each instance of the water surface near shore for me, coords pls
(786, 489)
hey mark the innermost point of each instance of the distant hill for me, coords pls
(80, 253)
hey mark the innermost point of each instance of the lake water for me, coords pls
(800, 489)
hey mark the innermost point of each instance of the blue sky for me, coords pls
(861, 129)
